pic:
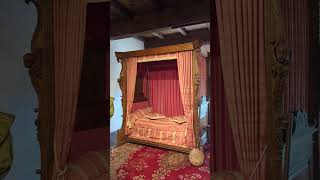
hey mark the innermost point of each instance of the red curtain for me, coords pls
(241, 37)
(225, 157)
(185, 62)
(224, 152)
(164, 91)
(296, 19)
(69, 36)
(131, 69)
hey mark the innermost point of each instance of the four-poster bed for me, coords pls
(41, 64)
(177, 131)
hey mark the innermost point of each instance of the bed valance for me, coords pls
(165, 51)
(181, 137)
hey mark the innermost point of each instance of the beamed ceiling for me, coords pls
(160, 22)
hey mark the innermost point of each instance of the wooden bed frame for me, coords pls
(121, 56)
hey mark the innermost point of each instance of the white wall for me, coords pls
(17, 96)
(122, 45)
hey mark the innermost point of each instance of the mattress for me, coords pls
(163, 130)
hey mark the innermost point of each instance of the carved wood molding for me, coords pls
(196, 88)
(40, 66)
(278, 57)
(32, 60)
(123, 86)
(279, 71)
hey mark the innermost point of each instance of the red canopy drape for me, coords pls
(225, 156)
(164, 91)
(69, 36)
(185, 71)
(131, 69)
(223, 148)
(296, 20)
(241, 37)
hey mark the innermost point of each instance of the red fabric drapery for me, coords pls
(296, 20)
(224, 152)
(131, 69)
(241, 37)
(69, 36)
(185, 72)
(225, 157)
(139, 105)
(164, 91)
(203, 75)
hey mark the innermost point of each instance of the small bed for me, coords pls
(146, 125)
(162, 90)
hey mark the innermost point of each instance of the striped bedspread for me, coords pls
(163, 131)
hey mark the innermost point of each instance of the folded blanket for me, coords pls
(136, 115)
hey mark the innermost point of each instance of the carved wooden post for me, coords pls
(277, 60)
(196, 87)
(279, 120)
(32, 60)
(40, 64)
(123, 86)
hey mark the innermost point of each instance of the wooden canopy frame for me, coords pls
(122, 57)
(160, 50)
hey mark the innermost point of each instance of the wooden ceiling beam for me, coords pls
(97, 1)
(208, 26)
(202, 35)
(196, 13)
(158, 34)
(140, 38)
(183, 31)
(122, 9)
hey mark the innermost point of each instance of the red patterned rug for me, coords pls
(137, 162)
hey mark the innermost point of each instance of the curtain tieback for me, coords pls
(259, 162)
(61, 173)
